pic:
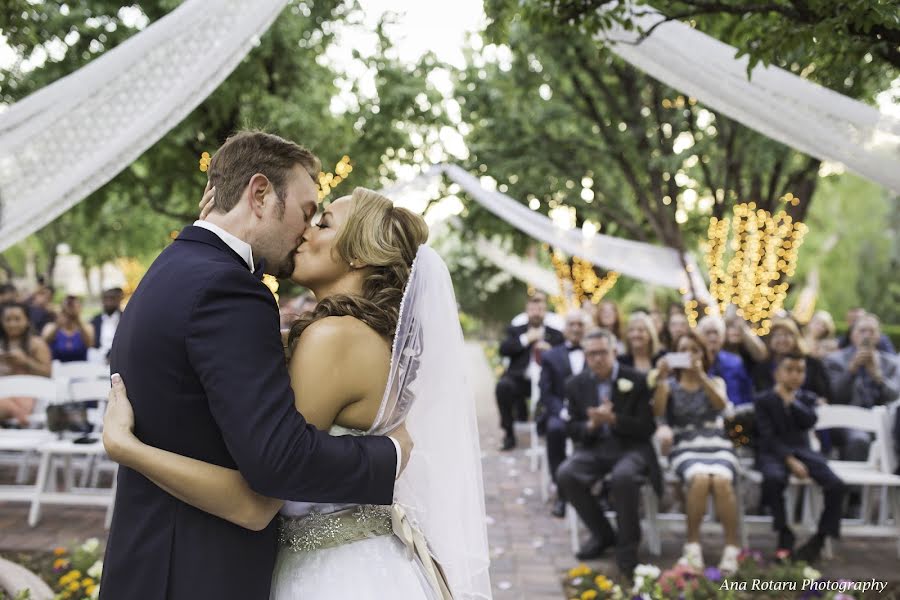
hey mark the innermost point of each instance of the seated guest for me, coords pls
(551, 319)
(642, 348)
(861, 375)
(607, 316)
(726, 365)
(784, 416)
(611, 423)
(676, 326)
(39, 310)
(106, 323)
(8, 293)
(522, 346)
(558, 365)
(819, 334)
(741, 340)
(21, 353)
(783, 339)
(69, 338)
(883, 344)
(691, 403)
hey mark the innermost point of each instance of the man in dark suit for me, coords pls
(557, 365)
(200, 350)
(523, 346)
(609, 417)
(106, 323)
(784, 416)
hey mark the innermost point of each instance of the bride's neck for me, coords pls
(350, 285)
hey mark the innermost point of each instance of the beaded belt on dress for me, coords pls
(317, 531)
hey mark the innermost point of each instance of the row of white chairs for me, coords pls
(875, 476)
(48, 452)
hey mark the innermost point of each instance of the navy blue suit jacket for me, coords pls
(784, 430)
(200, 352)
(555, 371)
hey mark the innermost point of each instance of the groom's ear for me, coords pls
(258, 188)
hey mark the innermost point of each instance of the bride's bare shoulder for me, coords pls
(344, 334)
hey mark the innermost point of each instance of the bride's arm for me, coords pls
(337, 363)
(217, 490)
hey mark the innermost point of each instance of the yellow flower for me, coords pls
(59, 551)
(89, 590)
(87, 582)
(588, 594)
(73, 587)
(60, 563)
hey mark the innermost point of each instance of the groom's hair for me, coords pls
(247, 153)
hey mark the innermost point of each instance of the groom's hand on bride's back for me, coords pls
(401, 436)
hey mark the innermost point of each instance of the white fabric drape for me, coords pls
(785, 107)
(67, 139)
(528, 271)
(658, 265)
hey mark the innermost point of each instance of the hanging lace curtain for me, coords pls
(69, 138)
(785, 107)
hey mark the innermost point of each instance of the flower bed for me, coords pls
(73, 573)
(755, 578)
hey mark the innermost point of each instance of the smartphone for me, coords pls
(678, 360)
(868, 342)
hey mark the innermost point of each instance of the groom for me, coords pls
(200, 350)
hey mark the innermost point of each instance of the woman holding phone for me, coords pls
(692, 404)
(70, 337)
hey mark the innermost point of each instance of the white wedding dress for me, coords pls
(432, 543)
(308, 567)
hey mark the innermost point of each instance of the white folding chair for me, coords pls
(871, 475)
(65, 450)
(18, 448)
(79, 370)
(536, 451)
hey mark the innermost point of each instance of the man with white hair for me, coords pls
(557, 366)
(725, 364)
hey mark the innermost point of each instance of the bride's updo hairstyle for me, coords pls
(385, 238)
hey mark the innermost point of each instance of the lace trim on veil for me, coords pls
(395, 356)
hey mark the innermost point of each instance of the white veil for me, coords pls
(441, 488)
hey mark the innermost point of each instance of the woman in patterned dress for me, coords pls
(692, 403)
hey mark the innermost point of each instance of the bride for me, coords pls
(385, 332)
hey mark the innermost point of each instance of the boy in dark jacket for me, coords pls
(784, 417)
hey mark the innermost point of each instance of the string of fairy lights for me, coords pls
(578, 281)
(329, 181)
(750, 257)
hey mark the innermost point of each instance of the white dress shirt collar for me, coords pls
(241, 247)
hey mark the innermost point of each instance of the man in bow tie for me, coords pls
(558, 365)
